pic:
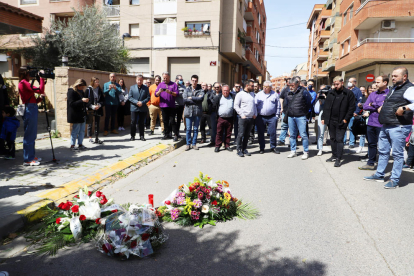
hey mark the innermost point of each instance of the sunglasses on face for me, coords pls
(237, 86)
(217, 87)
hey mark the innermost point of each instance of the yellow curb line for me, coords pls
(74, 186)
(34, 211)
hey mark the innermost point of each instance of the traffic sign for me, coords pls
(370, 78)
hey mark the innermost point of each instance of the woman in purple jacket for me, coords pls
(373, 105)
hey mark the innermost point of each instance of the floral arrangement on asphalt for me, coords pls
(71, 222)
(204, 202)
(133, 232)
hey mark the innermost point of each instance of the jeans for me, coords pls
(78, 132)
(30, 131)
(204, 121)
(245, 126)
(298, 124)
(372, 136)
(224, 128)
(362, 141)
(213, 131)
(138, 118)
(336, 133)
(283, 130)
(110, 113)
(168, 116)
(261, 122)
(192, 124)
(351, 134)
(321, 131)
(392, 137)
(179, 110)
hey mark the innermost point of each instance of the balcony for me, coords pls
(324, 35)
(165, 7)
(372, 12)
(112, 10)
(377, 50)
(249, 10)
(326, 45)
(249, 34)
(323, 55)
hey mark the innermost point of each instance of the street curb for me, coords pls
(34, 212)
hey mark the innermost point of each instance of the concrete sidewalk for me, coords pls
(25, 190)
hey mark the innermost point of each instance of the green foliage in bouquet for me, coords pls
(203, 202)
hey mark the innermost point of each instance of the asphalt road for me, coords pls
(315, 220)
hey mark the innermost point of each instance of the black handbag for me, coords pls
(360, 126)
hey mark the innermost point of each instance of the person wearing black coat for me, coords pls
(138, 96)
(76, 108)
(337, 112)
(94, 108)
(4, 98)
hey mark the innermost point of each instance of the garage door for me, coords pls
(185, 66)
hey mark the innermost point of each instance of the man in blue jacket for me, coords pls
(352, 85)
(138, 96)
(8, 132)
(111, 91)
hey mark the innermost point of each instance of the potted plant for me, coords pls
(190, 31)
(185, 30)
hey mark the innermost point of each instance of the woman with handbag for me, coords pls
(76, 107)
(124, 105)
(95, 110)
(30, 113)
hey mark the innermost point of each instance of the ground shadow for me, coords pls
(187, 252)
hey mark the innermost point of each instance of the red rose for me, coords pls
(89, 193)
(58, 220)
(82, 218)
(75, 208)
(145, 236)
(76, 196)
(159, 214)
(103, 201)
(60, 206)
(70, 203)
(168, 202)
(127, 238)
(66, 206)
(114, 211)
(133, 244)
(99, 194)
(214, 202)
(104, 248)
(191, 188)
(98, 221)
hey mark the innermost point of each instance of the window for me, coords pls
(258, 37)
(349, 46)
(134, 2)
(198, 26)
(345, 16)
(351, 12)
(134, 29)
(28, 2)
(343, 49)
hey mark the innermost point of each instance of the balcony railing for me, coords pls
(386, 40)
(112, 10)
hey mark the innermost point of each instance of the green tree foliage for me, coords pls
(88, 39)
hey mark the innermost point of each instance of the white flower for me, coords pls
(226, 190)
(212, 184)
(186, 189)
(102, 221)
(63, 223)
(91, 210)
(205, 209)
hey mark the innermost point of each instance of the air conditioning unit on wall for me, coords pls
(388, 24)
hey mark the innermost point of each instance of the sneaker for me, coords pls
(73, 148)
(32, 163)
(105, 133)
(367, 167)
(229, 149)
(337, 163)
(82, 147)
(275, 151)
(320, 153)
(305, 155)
(119, 128)
(375, 178)
(246, 153)
(187, 148)
(240, 153)
(99, 142)
(359, 150)
(91, 141)
(331, 159)
(280, 143)
(175, 139)
(9, 158)
(351, 146)
(123, 128)
(391, 185)
(38, 159)
(195, 147)
(292, 154)
(152, 132)
(406, 167)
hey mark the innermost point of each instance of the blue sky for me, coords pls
(282, 13)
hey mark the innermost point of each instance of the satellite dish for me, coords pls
(206, 28)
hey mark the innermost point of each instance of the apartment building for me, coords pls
(375, 37)
(217, 40)
(317, 55)
(333, 25)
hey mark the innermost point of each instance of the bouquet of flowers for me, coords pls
(73, 221)
(204, 202)
(135, 232)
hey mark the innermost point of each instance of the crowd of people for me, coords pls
(381, 113)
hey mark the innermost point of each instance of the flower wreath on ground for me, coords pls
(204, 202)
(80, 220)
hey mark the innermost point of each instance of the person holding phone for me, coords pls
(112, 91)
